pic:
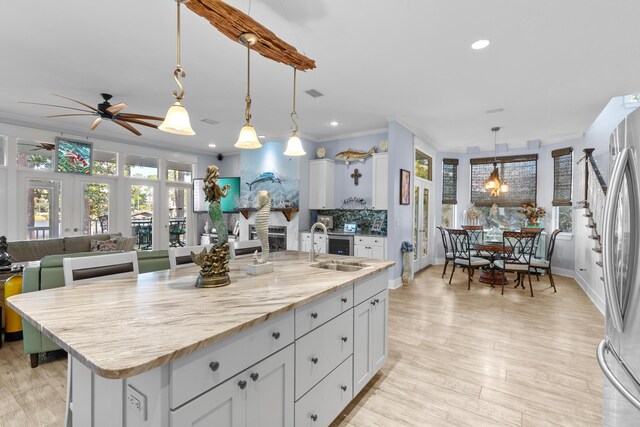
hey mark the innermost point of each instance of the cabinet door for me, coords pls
(270, 391)
(362, 363)
(377, 252)
(222, 406)
(360, 251)
(320, 243)
(379, 330)
(321, 182)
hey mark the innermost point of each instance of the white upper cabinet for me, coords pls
(321, 182)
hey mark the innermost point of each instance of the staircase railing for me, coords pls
(594, 190)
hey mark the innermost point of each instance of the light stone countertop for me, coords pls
(123, 327)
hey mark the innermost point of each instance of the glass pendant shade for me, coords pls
(248, 138)
(177, 121)
(504, 188)
(294, 147)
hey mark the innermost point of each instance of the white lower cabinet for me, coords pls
(259, 396)
(370, 347)
(320, 242)
(321, 405)
(369, 247)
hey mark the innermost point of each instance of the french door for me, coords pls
(423, 224)
(59, 205)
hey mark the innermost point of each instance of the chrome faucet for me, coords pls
(312, 250)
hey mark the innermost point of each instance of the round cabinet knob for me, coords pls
(276, 335)
(344, 339)
(254, 376)
(377, 300)
(314, 417)
(242, 384)
(75, 229)
(214, 366)
(314, 360)
(343, 299)
(343, 387)
(314, 315)
(373, 302)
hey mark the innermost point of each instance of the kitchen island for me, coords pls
(291, 347)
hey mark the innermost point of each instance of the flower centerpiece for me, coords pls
(532, 213)
(407, 262)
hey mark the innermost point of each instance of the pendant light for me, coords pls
(294, 145)
(177, 118)
(493, 183)
(248, 138)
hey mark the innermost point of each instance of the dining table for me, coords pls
(493, 248)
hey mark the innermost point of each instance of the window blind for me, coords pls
(520, 172)
(449, 181)
(562, 176)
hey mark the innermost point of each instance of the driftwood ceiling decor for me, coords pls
(232, 23)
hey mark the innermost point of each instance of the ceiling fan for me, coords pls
(105, 111)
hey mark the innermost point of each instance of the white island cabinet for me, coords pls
(291, 348)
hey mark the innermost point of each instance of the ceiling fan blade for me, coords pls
(68, 115)
(95, 123)
(138, 122)
(139, 116)
(127, 126)
(115, 109)
(53, 105)
(75, 100)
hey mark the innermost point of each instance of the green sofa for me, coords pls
(49, 274)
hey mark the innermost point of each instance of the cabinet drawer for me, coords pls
(320, 351)
(327, 399)
(198, 372)
(369, 241)
(366, 289)
(314, 314)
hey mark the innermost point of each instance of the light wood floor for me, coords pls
(456, 357)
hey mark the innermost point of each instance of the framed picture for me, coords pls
(73, 156)
(405, 187)
(376, 224)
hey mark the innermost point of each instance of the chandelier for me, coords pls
(493, 183)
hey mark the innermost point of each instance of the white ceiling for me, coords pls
(552, 65)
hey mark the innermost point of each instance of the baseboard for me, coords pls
(395, 283)
(563, 272)
(595, 298)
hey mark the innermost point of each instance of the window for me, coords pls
(450, 181)
(423, 166)
(140, 166)
(563, 218)
(520, 172)
(448, 216)
(562, 174)
(105, 163)
(35, 154)
(3, 150)
(178, 171)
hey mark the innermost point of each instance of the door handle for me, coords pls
(610, 290)
(602, 348)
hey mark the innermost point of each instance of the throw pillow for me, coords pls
(103, 245)
(125, 244)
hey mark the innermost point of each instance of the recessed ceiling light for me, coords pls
(334, 123)
(262, 136)
(480, 44)
(212, 145)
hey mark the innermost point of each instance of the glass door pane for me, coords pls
(177, 216)
(142, 215)
(416, 221)
(425, 222)
(44, 199)
(95, 208)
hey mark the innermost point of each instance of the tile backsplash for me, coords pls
(363, 218)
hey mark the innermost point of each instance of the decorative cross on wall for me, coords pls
(356, 175)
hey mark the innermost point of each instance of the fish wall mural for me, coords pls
(267, 169)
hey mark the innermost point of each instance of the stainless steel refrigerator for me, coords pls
(619, 352)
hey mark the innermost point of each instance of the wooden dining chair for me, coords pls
(84, 271)
(448, 255)
(545, 264)
(462, 254)
(182, 255)
(517, 250)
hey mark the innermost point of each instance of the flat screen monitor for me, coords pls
(228, 204)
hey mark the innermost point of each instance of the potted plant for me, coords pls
(407, 262)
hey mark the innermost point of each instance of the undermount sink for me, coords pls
(340, 265)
